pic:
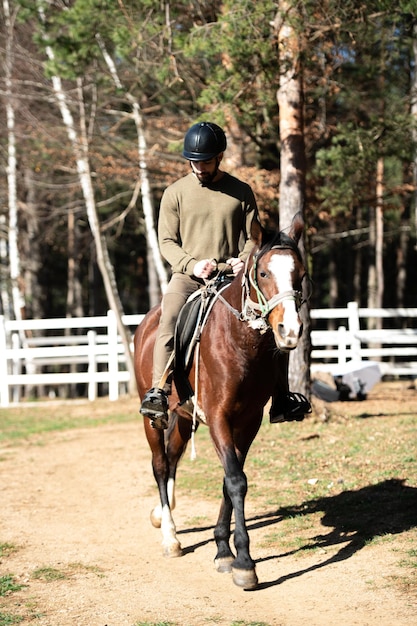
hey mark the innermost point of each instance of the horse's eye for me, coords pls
(263, 274)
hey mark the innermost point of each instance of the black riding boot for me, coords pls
(155, 407)
(289, 408)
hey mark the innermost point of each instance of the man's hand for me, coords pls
(236, 264)
(204, 268)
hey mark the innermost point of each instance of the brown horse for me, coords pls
(253, 321)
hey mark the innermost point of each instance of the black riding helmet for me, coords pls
(203, 141)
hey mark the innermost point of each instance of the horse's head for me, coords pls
(274, 282)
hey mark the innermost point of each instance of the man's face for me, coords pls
(206, 171)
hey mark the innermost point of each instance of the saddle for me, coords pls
(190, 323)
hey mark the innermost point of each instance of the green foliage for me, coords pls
(342, 167)
(239, 55)
(185, 61)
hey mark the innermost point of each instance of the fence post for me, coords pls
(4, 385)
(16, 367)
(354, 327)
(92, 365)
(113, 356)
(341, 348)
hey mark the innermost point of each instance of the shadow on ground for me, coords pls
(354, 517)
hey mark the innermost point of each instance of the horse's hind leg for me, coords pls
(161, 515)
(167, 449)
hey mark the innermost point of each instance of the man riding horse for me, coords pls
(204, 227)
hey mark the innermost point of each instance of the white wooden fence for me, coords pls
(56, 356)
(394, 345)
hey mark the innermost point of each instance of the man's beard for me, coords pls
(206, 178)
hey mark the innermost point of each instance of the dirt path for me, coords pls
(79, 502)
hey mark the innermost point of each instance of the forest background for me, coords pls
(96, 96)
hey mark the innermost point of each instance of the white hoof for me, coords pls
(224, 565)
(172, 550)
(245, 578)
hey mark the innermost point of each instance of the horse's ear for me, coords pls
(261, 235)
(297, 227)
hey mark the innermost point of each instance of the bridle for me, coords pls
(256, 312)
(262, 306)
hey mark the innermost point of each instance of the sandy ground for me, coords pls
(79, 502)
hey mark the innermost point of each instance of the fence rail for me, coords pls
(84, 352)
(387, 335)
(57, 356)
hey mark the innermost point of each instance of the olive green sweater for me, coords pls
(205, 222)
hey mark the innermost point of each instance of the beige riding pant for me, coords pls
(180, 287)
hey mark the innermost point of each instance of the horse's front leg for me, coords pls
(243, 568)
(224, 557)
(235, 489)
(161, 515)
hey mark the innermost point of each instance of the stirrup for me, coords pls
(155, 407)
(294, 409)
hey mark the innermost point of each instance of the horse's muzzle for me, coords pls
(287, 339)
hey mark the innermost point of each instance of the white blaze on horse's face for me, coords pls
(287, 331)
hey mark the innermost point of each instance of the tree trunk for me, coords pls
(401, 262)
(74, 298)
(371, 301)
(379, 235)
(80, 149)
(292, 182)
(155, 264)
(30, 252)
(413, 89)
(17, 299)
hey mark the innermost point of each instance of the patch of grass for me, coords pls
(7, 619)
(48, 574)
(8, 585)
(410, 560)
(244, 623)
(155, 624)
(6, 549)
(197, 520)
(27, 420)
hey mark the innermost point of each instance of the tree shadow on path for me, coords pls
(356, 517)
